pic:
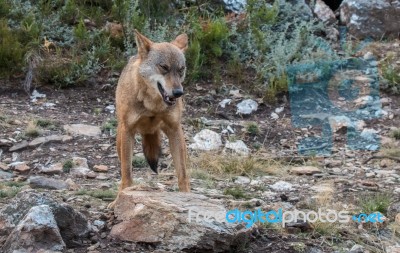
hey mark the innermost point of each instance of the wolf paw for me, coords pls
(112, 204)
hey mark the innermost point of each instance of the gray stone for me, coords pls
(238, 147)
(242, 180)
(47, 183)
(5, 175)
(56, 168)
(324, 13)
(21, 145)
(80, 167)
(206, 140)
(247, 106)
(281, 186)
(175, 221)
(81, 129)
(36, 231)
(73, 225)
(47, 139)
(376, 19)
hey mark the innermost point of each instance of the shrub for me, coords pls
(11, 50)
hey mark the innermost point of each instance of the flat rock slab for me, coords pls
(46, 139)
(47, 183)
(82, 129)
(163, 218)
(305, 170)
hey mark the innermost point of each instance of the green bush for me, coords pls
(11, 50)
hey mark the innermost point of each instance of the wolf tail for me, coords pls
(151, 144)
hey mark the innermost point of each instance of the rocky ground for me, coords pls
(63, 145)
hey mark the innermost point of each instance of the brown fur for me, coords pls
(141, 108)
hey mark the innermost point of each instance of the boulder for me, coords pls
(324, 12)
(375, 19)
(175, 221)
(73, 225)
(206, 140)
(36, 231)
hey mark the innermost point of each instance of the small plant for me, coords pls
(67, 166)
(252, 128)
(378, 202)
(100, 194)
(139, 161)
(9, 192)
(11, 50)
(236, 192)
(396, 134)
(45, 123)
(32, 130)
(15, 184)
(110, 126)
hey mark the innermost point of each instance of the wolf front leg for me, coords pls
(177, 146)
(124, 149)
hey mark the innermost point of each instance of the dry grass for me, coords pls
(229, 165)
(32, 130)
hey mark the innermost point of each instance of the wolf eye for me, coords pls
(181, 71)
(164, 67)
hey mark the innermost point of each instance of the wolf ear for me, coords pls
(143, 44)
(181, 42)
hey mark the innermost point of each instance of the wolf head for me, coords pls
(163, 65)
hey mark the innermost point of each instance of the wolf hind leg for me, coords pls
(151, 144)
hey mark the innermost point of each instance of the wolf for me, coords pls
(149, 103)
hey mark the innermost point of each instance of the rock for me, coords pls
(281, 186)
(21, 145)
(5, 175)
(274, 116)
(324, 13)
(91, 175)
(98, 225)
(357, 249)
(72, 185)
(242, 180)
(56, 168)
(368, 56)
(247, 106)
(20, 167)
(111, 108)
(52, 138)
(47, 183)
(100, 168)
(224, 102)
(36, 231)
(206, 140)
(235, 5)
(80, 167)
(4, 166)
(81, 129)
(238, 147)
(169, 220)
(376, 19)
(305, 170)
(323, 188)
(393, 249)
(73, 225)
(35, 95)
(393, 210)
